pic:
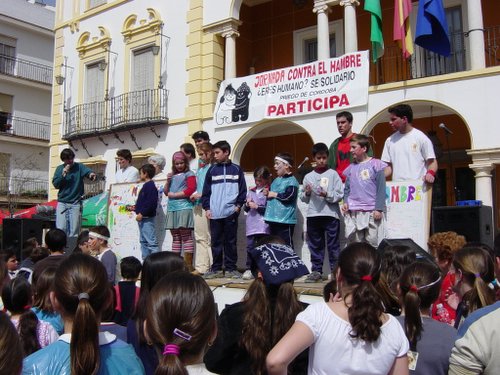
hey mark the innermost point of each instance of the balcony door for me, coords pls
(7, 55)
(141, 98)
(305, 43)
(434, 64)
(93, 109)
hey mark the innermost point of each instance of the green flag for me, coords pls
(373, 6)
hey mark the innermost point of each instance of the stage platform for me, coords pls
(228, 291)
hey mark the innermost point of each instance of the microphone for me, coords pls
(443, 126)
(303, 162)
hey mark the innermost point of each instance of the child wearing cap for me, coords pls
(247, 330)
(282, 199)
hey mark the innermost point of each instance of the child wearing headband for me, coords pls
(81, 294)
(98, 242)
(282, 199)
(430, 341)
(180, 323)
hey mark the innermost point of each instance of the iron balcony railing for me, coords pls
(131, 110)
(492, 44)
(28, 128)
(96, 187)
(392, 67)
(24, 186)
(25, 69)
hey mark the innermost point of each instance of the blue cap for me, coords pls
(278, 263)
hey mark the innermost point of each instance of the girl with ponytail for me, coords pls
(430, 341)
(34, 333)
(352, 334)
(81, 293)
(474, 270)
(181, 323)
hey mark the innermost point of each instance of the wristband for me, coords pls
(431, 172)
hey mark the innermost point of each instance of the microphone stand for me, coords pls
(451, 166)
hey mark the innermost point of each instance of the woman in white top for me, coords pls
(351, 334)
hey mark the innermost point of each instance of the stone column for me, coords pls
(484, 191)
(476, 34)
(230, 33)
(350, 28)
(321, 9)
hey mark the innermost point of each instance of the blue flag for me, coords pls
(432, 28)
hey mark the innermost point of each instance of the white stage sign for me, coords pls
(327, 85)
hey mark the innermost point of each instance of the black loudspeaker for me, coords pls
(16, 231)
(475, 223)
(421, 253)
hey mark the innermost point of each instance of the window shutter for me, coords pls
(143, 70)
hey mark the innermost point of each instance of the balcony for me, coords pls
(24, 187)
(124, 112)
(23, 127)
(25, 69)
(392, 67)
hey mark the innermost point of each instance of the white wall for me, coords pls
(27, 161)
(28, 102)
(173, 15)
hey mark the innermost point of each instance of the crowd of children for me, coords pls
(387, 311)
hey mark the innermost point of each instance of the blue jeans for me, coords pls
(69, 220)
(149, 243)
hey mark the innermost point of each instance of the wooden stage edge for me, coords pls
(315, 289)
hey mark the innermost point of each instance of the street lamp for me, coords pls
(61, 79)
(105, 65)
(159, 49)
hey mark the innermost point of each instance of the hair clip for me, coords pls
(182, 334)
(171, 349)
(83, 296)
(366, 278)
(493, 284)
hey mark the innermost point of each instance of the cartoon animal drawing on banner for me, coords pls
(240, 111)
(226, 106)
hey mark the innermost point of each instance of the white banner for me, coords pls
(321, 86)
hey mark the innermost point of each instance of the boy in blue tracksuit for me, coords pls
(224, 193)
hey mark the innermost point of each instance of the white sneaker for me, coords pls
(247, 275)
